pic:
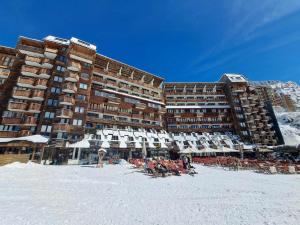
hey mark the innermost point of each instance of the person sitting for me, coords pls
(161, 169)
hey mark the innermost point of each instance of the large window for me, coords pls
(49, 115)
(77, 122)
(55, 90)
(46, 128)
(52, 102)
(79, 109)
(83, 86)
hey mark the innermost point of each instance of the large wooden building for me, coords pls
(63, 89)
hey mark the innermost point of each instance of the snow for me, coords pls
(116, 194)
(289, 123)
(33, 139)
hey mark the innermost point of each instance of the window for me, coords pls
(86, 65)
(85, 76)
(7, 61)
(55, 90)
(61, 58)
(58, 79)
(83, 86)
(60, 68)
(77, 122)
(79, 109)
(49, 115)
(104, 94)
(46, 128)
(115, 138)
(52, 102)
(81, 97)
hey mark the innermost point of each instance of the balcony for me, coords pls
(29, 121)
(33, 61)
(61, 127)
(29, 71)
(25, 82)
(140, 106)
(38, 95)
(23, 133)
(44, 73)
(64, 113)
(50, 53)
(4, 73)
(98, 79)
(73, 66)
(72, 77)
(17, 106)
(41, 84)
(8, 134)
(11, 121)
(34, 107)
(66, 100)
(47, 63)
(21, 94)
(69, 88)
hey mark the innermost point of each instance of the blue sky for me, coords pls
(179, 40)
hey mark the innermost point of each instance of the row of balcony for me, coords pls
(27, 121)
(126, 86)
(32, 82)
(35, 72)
(69, 88)
(39, 62)
(23, 106)
(37, 95)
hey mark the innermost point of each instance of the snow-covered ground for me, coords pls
(36, 194)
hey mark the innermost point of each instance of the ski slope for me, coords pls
(35, 194)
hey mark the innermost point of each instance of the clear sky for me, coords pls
(181, 40)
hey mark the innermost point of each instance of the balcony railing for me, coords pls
(25, 81)
(17, 106)
(8, 134)
(69, 88)
(44, 73)
(71, 76)
(23, 133)
(34, 107)
(4, 73)
(30, 121)
(21, 93)
(64, 113)
(42, 83)
(47, 63)
(37, 94)
(57, 127)
(11, 121)
(66, 100)
(32, 59)
(50, 53)
(74, 66)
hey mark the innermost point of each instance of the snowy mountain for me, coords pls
(289, 123)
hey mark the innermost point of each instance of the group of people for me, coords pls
(162, 167)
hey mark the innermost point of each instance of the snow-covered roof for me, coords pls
(84, 143)
(33, 138)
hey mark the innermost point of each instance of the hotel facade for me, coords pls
(66, 91)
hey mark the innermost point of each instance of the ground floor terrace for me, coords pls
(118, 194)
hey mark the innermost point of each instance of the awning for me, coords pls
(84, 143)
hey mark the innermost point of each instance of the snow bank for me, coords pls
(18, 165)
(119, 195)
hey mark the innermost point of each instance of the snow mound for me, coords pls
(123, 162)
(19, 165)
